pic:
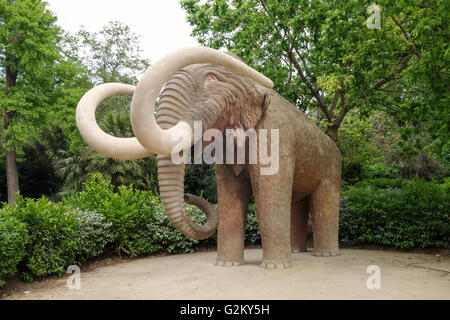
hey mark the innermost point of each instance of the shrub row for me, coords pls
(398, 212)
(41, 238)
(392, 212)
(13, 238)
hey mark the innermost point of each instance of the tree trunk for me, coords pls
(333, 133)
(115, 182)
(333, 130)
(12, 174)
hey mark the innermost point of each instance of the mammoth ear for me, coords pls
(265, 99)
(263, 92)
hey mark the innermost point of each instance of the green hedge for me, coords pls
(139, 225)
(58, 236)
(53, 237)
(130, 214)
(41, 238)
(252, 235)
(94, 233)
(13, 238)
(400, 213)
(84, 226)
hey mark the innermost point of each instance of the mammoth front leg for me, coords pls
(234, 196)
(273, 197)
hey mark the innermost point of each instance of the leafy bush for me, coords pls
(446, 184)
(53, 237)
(13, 239)
(379, 170)
(94, 233)
(397, 212)
(201, 180)
(252, 235)
(139, 225)
(170, 239)
(130, 213)
(83, 225)
(382, 183)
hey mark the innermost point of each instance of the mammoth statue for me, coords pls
(220, 92)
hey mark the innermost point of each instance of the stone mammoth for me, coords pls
(220, 92)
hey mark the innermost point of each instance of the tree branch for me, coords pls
(413, 45)
(393, 75)
(406, 34)
(314, 92)
(335, 101)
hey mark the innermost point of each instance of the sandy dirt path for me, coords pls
(194, 277)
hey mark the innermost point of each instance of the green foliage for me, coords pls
(357, 147)
(170, 239)
(142, 173)
(40, 77)
(399, 213)
(53, 237)
(94, 233)
(129, 212)
(83, 226)
(379, 170)
(201, 180)
(252, 234)
(46, 90)
(374, 148)
(139, 225)
(382, 183)
(113, 53)
(321, 55)
(74, 168)
(446, 185)
(13, 239)
(426, 33)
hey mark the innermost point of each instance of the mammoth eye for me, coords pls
(211, 77)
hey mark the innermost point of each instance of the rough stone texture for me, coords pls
(308, 181)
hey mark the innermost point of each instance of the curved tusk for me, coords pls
(105, 144)
(147, 131)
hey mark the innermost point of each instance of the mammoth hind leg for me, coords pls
(299, 226)
(324, 204)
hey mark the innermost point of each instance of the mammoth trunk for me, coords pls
(173, 103)
(208, 114)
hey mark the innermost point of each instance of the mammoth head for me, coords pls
(222, 99)
(148, 133)
(201, 84)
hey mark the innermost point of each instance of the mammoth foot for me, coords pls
(222, 263)
(325, 254)
(271, 265)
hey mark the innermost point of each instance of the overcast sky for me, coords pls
(161, 24)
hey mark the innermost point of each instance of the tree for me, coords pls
(29, 53)
(422, 107)
(324, 58)
(141, 173)
(110, 55)
(75, 168)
